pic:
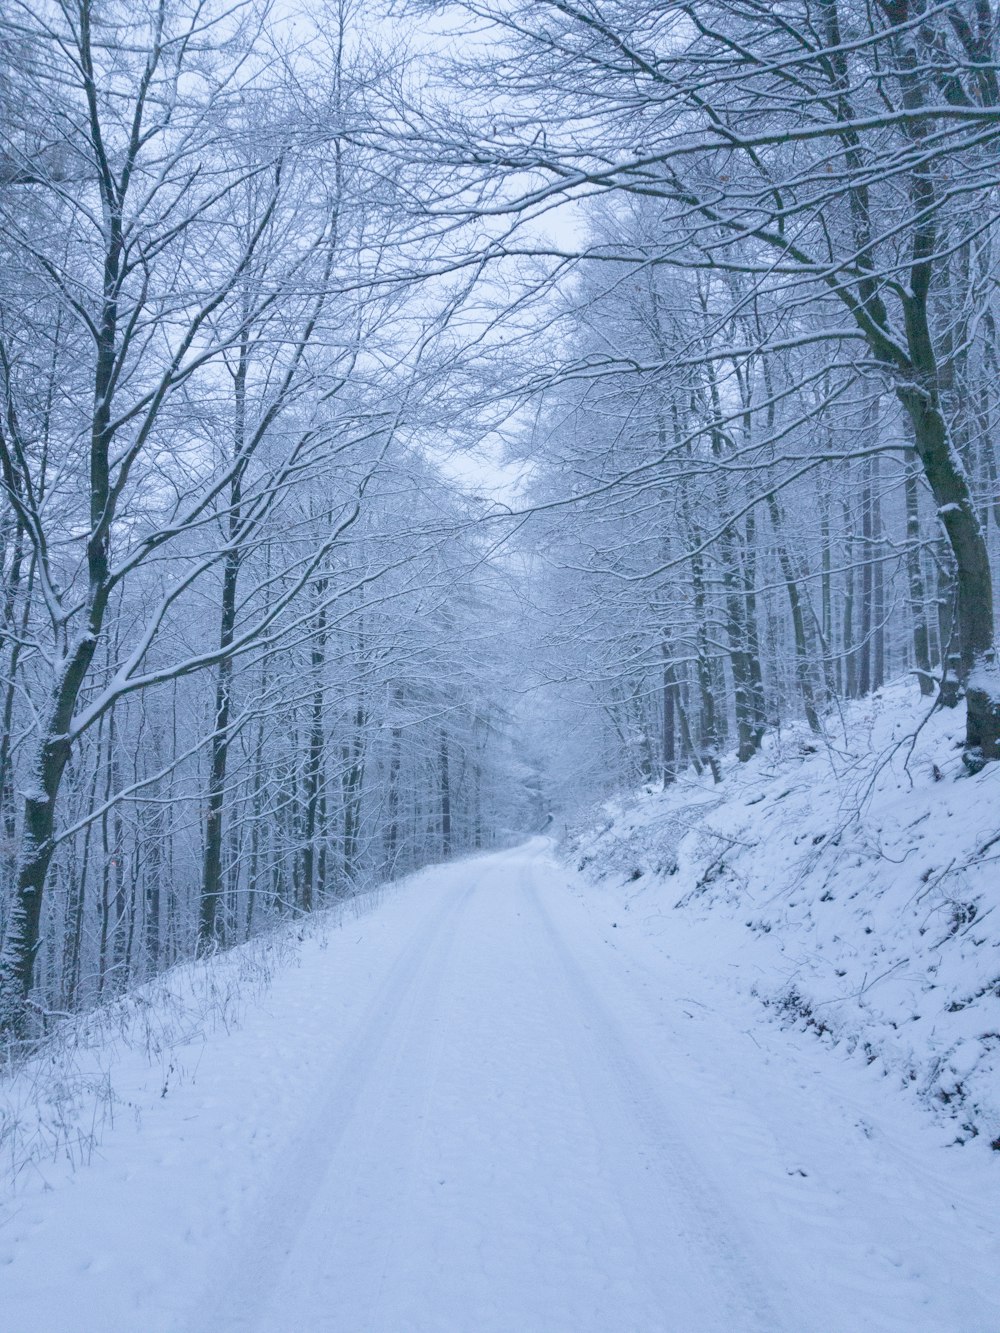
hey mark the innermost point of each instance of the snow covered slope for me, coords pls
(851, 887)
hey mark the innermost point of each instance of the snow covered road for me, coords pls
(484, 1107)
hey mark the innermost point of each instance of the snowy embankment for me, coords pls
(850, 887)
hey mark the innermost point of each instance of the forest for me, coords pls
(417, 419)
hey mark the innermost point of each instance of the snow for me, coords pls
(985, 677)
(507, 1099)
(852, 888)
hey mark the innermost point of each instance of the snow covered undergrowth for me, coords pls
(115, 1062)
(851, 888)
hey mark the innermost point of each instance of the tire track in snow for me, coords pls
(665, 1169)
(241, 1294)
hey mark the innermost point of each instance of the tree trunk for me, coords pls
(314, 761)
(915, 579)
(848, 653)
(668, 691)
(867, 584)
(211, 879)
(392, 793)
(976, 660)
(802, 657)
(445, 792)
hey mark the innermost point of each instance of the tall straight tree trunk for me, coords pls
(848, 650)
(668, 694)
(392, 780)
(155, 877)
(915, 579)
(78, 897)
(802, 655)
(826, 588)
(748, 733)
(878, 580)
(758, 710)
(314, 761)
(8, 818)
(708, 735)
(354, 769)
(444, 788)
(867, 584)
(211, 878)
